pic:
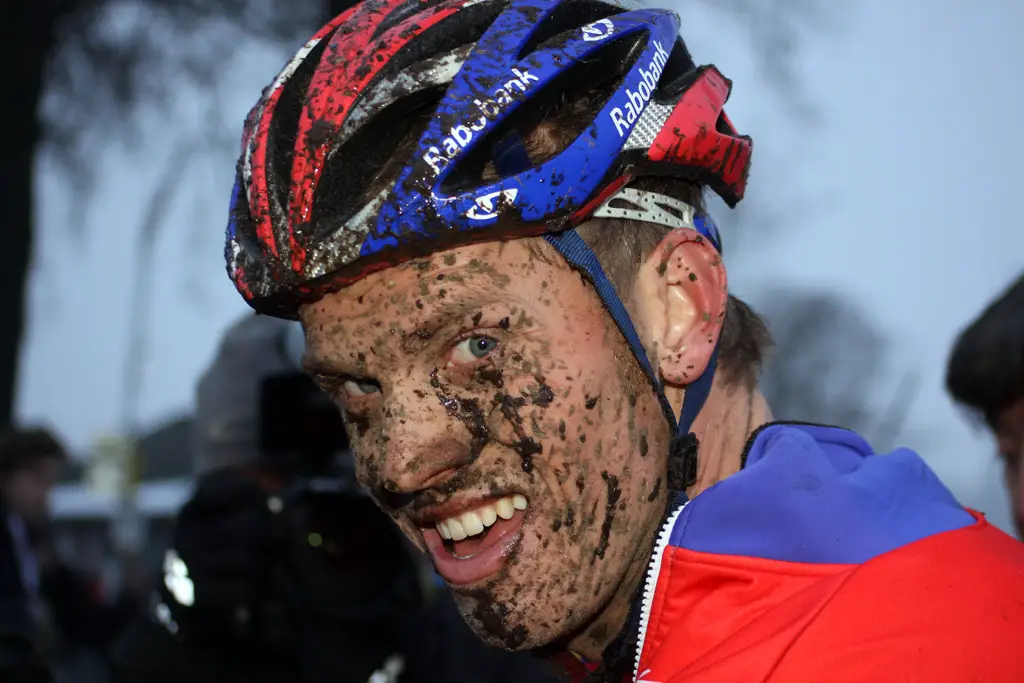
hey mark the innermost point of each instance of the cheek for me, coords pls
(595, 434)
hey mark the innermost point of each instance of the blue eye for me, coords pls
(472, 349)
(481, 346)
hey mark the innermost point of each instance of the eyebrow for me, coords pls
(440, 316)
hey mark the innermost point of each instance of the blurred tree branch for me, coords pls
(97, 60)
(776, 29)
(830, 367)
(116, 54)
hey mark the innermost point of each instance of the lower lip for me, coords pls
(486, 562)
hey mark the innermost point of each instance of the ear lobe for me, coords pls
(688, 282)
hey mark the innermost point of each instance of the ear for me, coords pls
(682, 292)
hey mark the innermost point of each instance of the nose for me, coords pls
(424, 445)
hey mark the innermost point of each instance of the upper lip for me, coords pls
(454, 506)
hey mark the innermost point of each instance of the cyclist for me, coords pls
(488, 216)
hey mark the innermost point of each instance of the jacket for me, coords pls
(822, 561)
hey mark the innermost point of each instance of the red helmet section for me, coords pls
(350, 61)
(692, 137)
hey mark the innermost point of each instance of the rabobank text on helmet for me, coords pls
(625, 115)
(438, 156)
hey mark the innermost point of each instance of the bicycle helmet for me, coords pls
(306, 218)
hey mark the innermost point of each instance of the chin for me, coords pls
(513, 615)
(498, 626)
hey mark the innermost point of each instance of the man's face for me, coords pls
(27, 490)
(500, 419)
(1008, 426)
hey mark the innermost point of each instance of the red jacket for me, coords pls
(820, 561)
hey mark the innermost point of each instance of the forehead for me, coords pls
(440, 288)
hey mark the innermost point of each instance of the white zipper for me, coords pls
(653, 570)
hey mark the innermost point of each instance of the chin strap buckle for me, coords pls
(682, 462)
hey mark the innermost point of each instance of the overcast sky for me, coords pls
(901, 196)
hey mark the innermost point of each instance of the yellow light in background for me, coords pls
(315, 540)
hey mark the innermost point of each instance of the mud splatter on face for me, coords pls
(492, 616)
(543, 396)
(654, 493)
(524, 445)
(613, 495)
(544, 409)
(491, 376)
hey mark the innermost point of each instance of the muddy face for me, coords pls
(500, 419)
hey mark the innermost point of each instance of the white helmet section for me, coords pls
(225, 430)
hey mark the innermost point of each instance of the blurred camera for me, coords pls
(299, 426)
(342, 555)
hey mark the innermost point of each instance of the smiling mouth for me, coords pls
(473, 545)
(464, 534)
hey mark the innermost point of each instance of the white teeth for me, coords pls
(488, 515)
(505, 509)
(476, 521)
(455, 526)
(472, 523)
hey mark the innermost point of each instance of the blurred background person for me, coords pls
(29, 465)
(281, 568)
(47, 610)
(985, 373)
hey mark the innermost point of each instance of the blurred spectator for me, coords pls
(30, 461)
(47, 610)
(986, 374)
(281, 568)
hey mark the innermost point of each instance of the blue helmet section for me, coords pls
(491, 85)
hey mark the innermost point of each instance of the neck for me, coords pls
(723, 427)
(598, 634)
(729, 417)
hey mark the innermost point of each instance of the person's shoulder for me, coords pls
(841, 563)
(947, 608)
(820, 495)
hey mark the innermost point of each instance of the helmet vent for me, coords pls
(567, 16)
(245, 226)
(465, 27)
(571, 101)
(369, 159)
(679, 73)
(281, 137)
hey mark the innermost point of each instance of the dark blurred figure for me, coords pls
(986, 373)
(30, 462)
(282, 569)
(47, 610)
